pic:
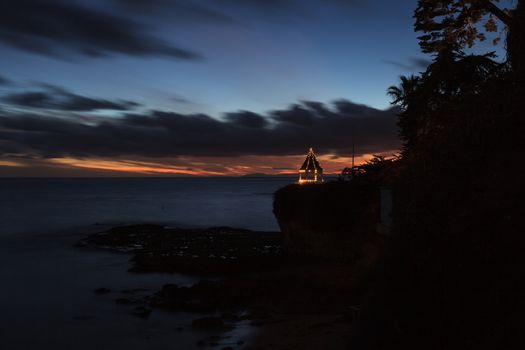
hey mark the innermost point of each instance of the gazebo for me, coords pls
(310, 171)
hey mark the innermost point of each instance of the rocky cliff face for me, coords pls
(332, 220)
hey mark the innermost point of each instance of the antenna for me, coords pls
(353, 148)
(353, 152)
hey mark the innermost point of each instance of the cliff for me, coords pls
(336, 219)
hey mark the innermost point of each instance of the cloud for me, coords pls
(5, 81)
(292, 3)
(421, 63)
(181, 100)
(181, 10)
(284, 10)
(247, 119)
(296, 116)
(414, 63)
(263, 3)
(55, 28)
(290, 131)
(57, 98)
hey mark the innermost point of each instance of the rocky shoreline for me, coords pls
(212, 251)
(249, 282)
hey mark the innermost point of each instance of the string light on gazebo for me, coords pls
(311, 171)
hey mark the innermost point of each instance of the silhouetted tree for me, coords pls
(455, 24)
(516, 40)
(453, 275)
(448, 81)
(405, 95)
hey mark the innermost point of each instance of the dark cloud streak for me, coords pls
(181, 10)
(5, 81)
(55, 27)
(57, 98)
(166, 134)
(414, 63)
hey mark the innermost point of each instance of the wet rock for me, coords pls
(212, 251)
(170, 291)
(256, 315)
(102, 290)
(141, 311)
(84, 317)
(123, 301)
(208, 323)
(219, 337)
(231, 317)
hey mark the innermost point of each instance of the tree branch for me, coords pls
(499, 13)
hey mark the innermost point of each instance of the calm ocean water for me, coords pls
(47, 298)
(43, 205)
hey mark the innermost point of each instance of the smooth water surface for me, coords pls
(42, 205)
(47, 299)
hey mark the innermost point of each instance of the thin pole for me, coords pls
(353, 152)
(353, 148)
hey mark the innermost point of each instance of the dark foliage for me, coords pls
(455, 24)
(454, 275)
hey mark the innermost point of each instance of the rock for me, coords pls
(141, 311)
(208, 323)
(256, 315)
(102, 290)
(160, 249)
(84, 317)
(123, 301)
(257, 323)
(170, 291)
(229, 316)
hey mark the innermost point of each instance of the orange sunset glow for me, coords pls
(201, 166)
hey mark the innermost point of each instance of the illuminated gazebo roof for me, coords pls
(311, 171)
(311, 163)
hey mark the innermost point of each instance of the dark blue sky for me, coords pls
(105, 87)
(254, 55)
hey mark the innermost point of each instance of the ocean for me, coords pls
(47, 297)
(44, 204)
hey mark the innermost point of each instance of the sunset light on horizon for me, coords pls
(209, 166)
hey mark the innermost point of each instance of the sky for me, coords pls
(194, 87)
